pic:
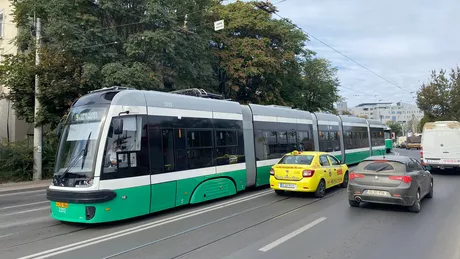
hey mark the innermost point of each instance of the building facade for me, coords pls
(11, 128)
(400, 113)
(342, 107)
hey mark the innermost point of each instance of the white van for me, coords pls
(441, 144)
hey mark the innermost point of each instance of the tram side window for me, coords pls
(348, 141)
(292, 141)
(126, 151)
(199, 148)
(329, 141)
(381, 138)
(270, 144)
(335, 140)
(364, 139)
(227, 151)
(305, 141)
(167, 138)
(282, 145)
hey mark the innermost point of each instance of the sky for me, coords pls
(402, 41)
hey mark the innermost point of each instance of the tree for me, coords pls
(162, 45)
(440, 98)
(395, 127)
(264, 60)
(254, 52)
(89, 45)
(317, 87)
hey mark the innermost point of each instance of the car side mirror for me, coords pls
(427, 168)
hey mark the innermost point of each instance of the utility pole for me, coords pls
(38, 130)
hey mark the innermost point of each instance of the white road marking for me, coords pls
(23, 205)
(107, 237)
(25, 211)
(20, 193)
(291, 235)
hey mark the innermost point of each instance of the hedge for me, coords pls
(17, 161)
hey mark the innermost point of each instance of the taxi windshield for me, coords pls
(297, 159)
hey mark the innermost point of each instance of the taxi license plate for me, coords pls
(377, 193)
(288, 186)
(62, 205)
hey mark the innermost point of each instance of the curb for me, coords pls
(24, 187)
(25, 190)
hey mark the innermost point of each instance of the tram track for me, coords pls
(278, 215)
(42, 239)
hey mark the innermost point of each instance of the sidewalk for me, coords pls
(24, 186)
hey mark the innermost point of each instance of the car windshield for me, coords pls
(381, 166)
(296, 160)
(79, 142)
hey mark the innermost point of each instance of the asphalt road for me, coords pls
(255, 224)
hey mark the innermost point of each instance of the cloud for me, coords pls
(403, 41)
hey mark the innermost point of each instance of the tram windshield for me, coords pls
(79, 142)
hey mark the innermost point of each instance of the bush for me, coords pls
(17, 159)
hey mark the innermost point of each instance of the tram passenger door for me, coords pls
(163, 191)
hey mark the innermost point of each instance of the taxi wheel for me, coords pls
(280, 192)
(321, 189)
(345, 181)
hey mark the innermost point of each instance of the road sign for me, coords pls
(219, 25)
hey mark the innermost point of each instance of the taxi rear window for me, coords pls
(296, 160)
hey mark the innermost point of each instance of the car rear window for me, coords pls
(381, 166)
(378, 166)
(296, 160)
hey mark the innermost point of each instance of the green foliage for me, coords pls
(17, 162)
(264, 60)
(395, 127)
(440, 98)
(144, 44)
(316, 90)
(87, 46)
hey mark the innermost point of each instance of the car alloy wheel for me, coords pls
(321, 189)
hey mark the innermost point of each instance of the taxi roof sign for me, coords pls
(295, 152)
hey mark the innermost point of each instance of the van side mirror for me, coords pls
(117, 126)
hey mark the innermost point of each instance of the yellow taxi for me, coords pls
(308, 172)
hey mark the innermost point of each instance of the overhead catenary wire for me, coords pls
(339, 52)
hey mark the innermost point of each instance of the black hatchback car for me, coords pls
(397, 180)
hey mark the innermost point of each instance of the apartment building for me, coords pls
(11, 127)
(401, 112)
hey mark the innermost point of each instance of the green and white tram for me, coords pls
(125, 152)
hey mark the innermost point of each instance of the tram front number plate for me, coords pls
(62, 204)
